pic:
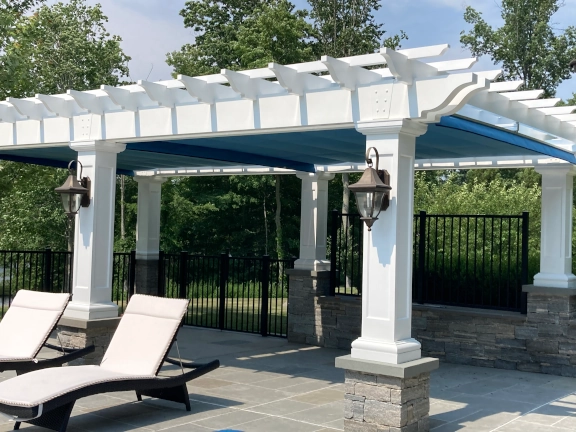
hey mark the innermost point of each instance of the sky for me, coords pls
(152, 28)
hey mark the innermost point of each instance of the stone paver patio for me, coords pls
(268, 384)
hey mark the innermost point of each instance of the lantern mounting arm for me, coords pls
(84, 182)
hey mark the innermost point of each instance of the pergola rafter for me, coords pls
(329, 93)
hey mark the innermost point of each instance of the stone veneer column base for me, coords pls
(384, 397)
(77, 333)
(146, 277)
(306, 286)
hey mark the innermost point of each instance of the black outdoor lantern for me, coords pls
(573, 66)
(74, 193)
(372, 191)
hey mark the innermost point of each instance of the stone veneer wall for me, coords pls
(80, 334)
(543, 341)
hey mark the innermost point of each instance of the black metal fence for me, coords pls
(229, 293)
(123, 277)
(33, 270)
(461, 260)
(51, 271)
(346, 235)
(465, 260)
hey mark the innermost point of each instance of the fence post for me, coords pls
(265, 295)
(132, 274)
(333, 251)
(47, 279)
(421, 256)
(183, 274)
(524, 270)
(224, 262)
(161, 278)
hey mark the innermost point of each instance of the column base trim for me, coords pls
(534, 289)
(93, 311)
(396, 352)
(312, 265)
(402, 370)
(555, 280)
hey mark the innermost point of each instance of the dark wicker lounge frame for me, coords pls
(56, 412)
(68, 355)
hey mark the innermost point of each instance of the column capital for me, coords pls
(104, 146)
(557, 169)
(315, 176)
(150, 179)
(405, 126)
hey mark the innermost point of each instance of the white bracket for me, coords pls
(28, 108)
(121, 97)
(251, 88)
(59, 106)
(298, 83)
(164, 96)
(207, 92)
(350, 77)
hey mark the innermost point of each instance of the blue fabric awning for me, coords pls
(506, 137)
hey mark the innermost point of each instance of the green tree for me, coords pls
(241, 34)
(58, 47)
(527, 45)
(32, 217)
(345, 28)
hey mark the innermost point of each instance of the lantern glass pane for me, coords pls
(369, 203)
(71, 202)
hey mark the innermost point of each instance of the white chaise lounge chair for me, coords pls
(25, 329)
(136, 353)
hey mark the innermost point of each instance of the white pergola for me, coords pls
(313, 118)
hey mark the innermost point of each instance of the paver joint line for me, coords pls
(532, 410)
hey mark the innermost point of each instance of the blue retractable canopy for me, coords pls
(506, 136)
(452, 138)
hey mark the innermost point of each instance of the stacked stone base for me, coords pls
(146, 277)
(382, 397)
(542, 341)
(75, 333)
(377, 403)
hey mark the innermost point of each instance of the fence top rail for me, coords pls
(40, 252)
(417, 215)
(472, 216)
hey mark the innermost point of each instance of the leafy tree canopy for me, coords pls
(242, 34)
(57, 47)
(60, 47)
(527, 45)
(345, 28)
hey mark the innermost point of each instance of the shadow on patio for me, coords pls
(268, 384)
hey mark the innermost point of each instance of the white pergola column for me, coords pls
(313, 222)
(556, 229)
(387, 262)
(148, 218)
(94, 234)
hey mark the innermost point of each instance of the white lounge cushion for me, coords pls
(144, 335)
(37, 387)
(28, 322)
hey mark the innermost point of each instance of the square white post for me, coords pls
(556, 229)
(313, 222)
(148, 222)
(387, 262)
(94, 234)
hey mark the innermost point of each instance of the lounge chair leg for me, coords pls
(17, 426)
(173, 394)
(56, 419)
